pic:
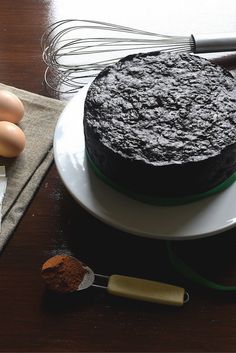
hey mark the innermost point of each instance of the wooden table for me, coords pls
(33, 320)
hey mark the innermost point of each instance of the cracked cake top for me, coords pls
(163, 108)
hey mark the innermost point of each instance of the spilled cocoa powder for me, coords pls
(63, 274)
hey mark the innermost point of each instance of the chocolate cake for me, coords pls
(162, 125)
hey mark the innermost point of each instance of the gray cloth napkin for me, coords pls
(25, 172)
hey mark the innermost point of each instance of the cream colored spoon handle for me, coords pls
(142, 289)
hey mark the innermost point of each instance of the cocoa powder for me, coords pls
(63, 273)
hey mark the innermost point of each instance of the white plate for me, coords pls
(199, 219)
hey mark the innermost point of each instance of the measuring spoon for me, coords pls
(119, 285)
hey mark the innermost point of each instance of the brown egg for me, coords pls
(11, 107)
(12, 139)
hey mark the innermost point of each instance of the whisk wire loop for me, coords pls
(75, 50)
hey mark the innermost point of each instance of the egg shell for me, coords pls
(11, 107)
(12, 139)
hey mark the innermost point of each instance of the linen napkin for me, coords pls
(25, 172)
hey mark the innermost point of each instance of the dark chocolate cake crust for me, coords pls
(163, 124)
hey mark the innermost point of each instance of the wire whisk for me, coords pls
(75, 50)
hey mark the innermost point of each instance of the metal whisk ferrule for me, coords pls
(209, 43)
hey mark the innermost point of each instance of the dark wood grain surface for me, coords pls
(33, 320)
